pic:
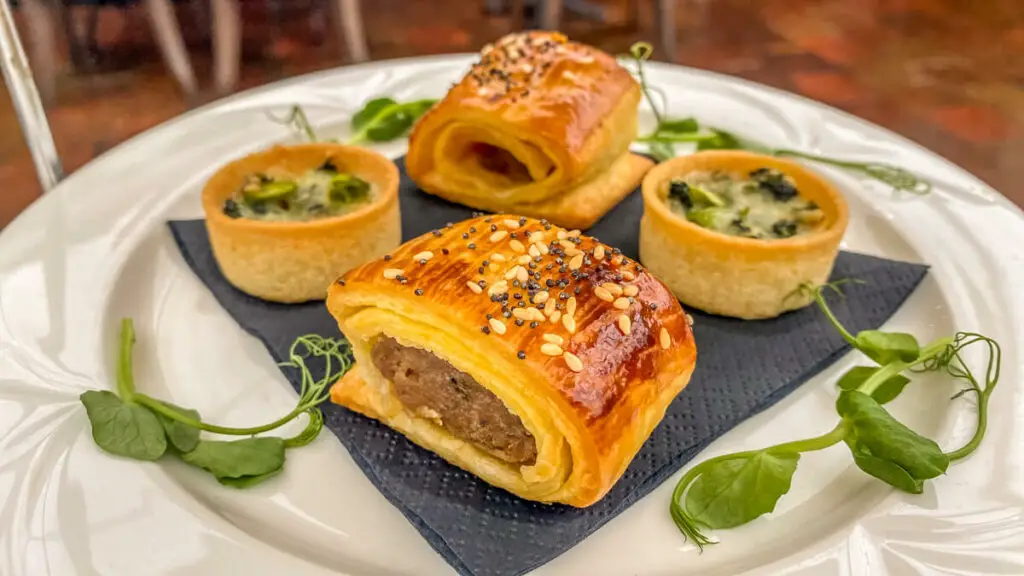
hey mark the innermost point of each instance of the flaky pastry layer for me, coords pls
(588, 363)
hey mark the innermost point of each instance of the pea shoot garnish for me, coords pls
(733, 489)
(668, 132)
(380, 120)
(134, 425)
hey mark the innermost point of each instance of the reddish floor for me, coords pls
(940, 72)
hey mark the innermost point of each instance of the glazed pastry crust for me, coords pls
(734, 276)
(589, 419)
(565, 111)
(296, 261)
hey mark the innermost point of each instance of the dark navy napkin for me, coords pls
(743, 368)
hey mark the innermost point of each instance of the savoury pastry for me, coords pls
(533, 357)
(737, 233)
(285, 222)
(540, 126)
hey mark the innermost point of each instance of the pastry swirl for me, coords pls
(539, 126)
(531, 356)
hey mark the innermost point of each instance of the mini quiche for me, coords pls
(285, 222)
(736, 233)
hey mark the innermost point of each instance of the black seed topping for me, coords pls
(387, 257)
(616, 251)
(533, 265)
(521, 354)
(486, 329)
(549, 282)
(341, 282)
(482, 284)
(520, 322)
(512, 235)
(465, 236)
(472, 230)
(444, 251)
(563, 295)
(494, 227)
(436, 233)
(517, 296)
(549, 267)
(576, 291)
(534, 324)
(472, 246)
(654, 306)
(480, 270)
(418, 291)
(506, 313)
(522, 221)
(488, 220)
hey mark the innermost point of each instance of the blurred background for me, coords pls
(948, 74)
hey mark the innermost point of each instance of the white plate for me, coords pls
(96, 249)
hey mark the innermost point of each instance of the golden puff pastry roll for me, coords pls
(531, 356)
(540, 126)
(286, 221)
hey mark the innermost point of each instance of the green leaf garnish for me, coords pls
(669, 131)
(734, 492)
(733, 489)
(886, 392)
(383, 119)
(249, 458)
(137, 426)
(124, 429)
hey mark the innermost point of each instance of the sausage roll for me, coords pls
(736, 233)
(285, 222)
(540, 126)
(533, 357)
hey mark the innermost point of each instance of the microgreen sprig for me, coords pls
(668, 132)
(132, 424)
(733, 489)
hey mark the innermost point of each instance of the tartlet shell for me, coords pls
(733, 276)
(296, 261)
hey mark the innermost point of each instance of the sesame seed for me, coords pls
(499, 287)
(392, 273)
(569, 323)
(631, 290)
(628, 276)
(522, 275)
(571, 252)
(574, 233)
(576, 262)
(616, 260)
(510, 223)
(521, 355)
(541, 297)
(573, 362)
(498, 236)
(554, 339)
(555, 316)
(476, 289)
(521, 313)
(517, 246)
(543, 248)
(497, 325)
(666, 340)
(613, 289)
(570, 306)
(562, 235)
(498, 258)
(512, 272)
(536, 314)
(689, 320)
(524, 259)
(603, 294)
(492, 267)
(534, 251)
(624, 324)
(621, 303)
(550, 349)
(599, 252)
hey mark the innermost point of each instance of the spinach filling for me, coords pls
(764, 204)
(320, 193)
